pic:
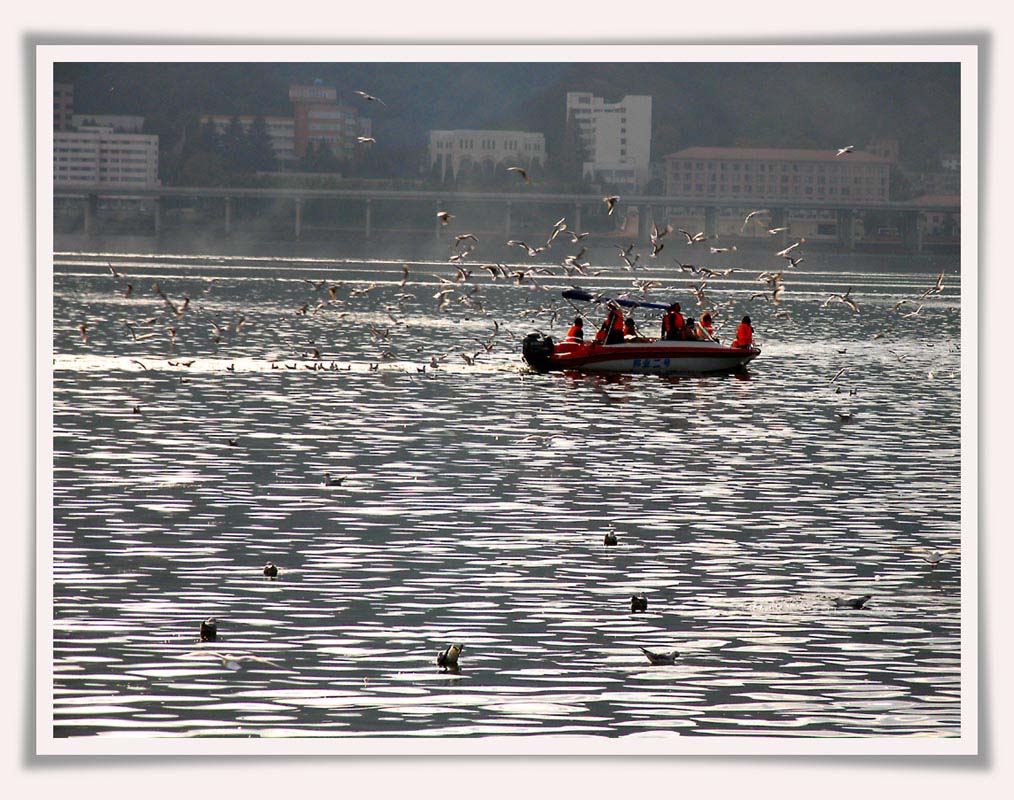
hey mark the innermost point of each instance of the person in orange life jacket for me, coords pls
(576, 333)
(672, 322)
(629, 331)
(744, 334)
(611, 331)
(708, 325)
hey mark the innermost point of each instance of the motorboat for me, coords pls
(639, 356)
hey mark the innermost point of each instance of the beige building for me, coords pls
(758, 174)
(487, 151)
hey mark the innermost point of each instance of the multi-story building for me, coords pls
(939, 226)
(616, 138)
(281, 132)
(738, 180)
(452, 151)
(101, 156)
(885, 148)
(121, 123)
(757, 174)
(935, 183)
(319, 117)
(63, 106)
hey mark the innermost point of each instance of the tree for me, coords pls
(262, 154)
(234, 147)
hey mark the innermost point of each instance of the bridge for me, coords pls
(650, 207)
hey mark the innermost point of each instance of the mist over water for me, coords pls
(475, 501)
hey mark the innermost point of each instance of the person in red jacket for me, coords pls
(708, 325)
(744, 334)
(672, 323)
(576, 333)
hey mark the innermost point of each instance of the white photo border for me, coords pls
(549, 745)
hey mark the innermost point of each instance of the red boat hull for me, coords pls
(658, 357)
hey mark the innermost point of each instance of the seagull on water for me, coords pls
(610, 537)
(209, 630)
(447, 659)
(660, 659)
(638, 603)
(236, 663)
(935, 559)
(333, 480)
(851, 602)
(270, 571)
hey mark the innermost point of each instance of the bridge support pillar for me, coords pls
(437, 223)
(711, 221)
(299, 218)
(910, 232)
(643, 223)
(847, 228)
(91, 210)
(158, 216)
(507, 221)
(369, 218)
(780, 219)
(228, 216)
(577, 219)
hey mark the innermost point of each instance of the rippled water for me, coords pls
(475, 504)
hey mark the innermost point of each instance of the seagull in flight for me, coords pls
(844, 298)
(444, 217)
(611, 203)
(522, 172)
(845, 150)
(750, 216)
(366, 140)
(370, 98)
(937, 289)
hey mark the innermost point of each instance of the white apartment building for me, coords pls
(281, 131)
(121, 123)
(451, 151)
(102, 156)
(616, 137)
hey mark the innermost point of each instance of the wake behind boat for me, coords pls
(637, 355)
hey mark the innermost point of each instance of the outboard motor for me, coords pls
(536, 348)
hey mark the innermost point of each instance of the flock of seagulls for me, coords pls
(453, 291)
